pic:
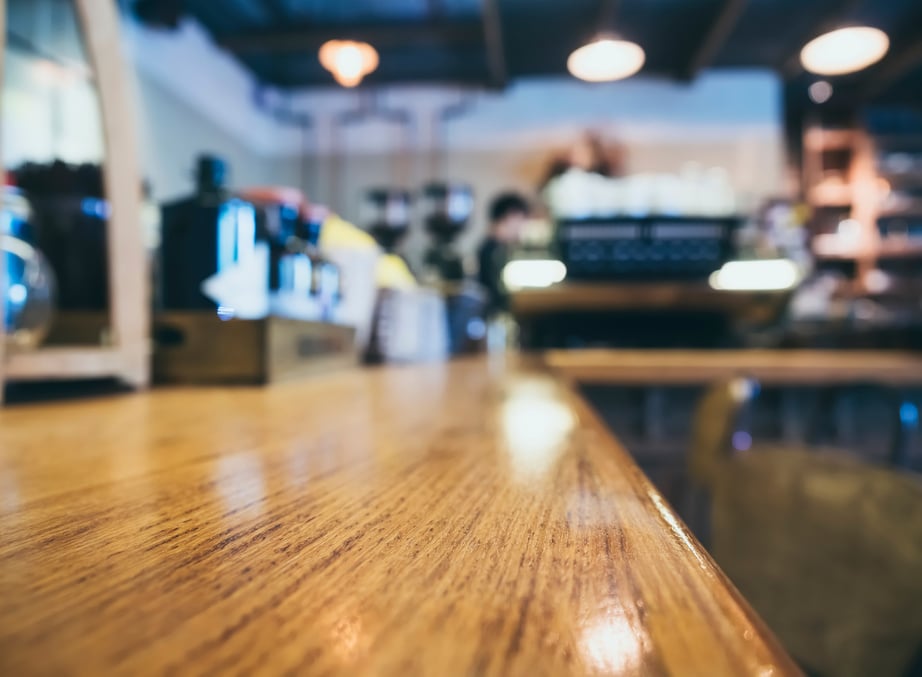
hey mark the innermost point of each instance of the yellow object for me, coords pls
(337, 232)
(393, 273)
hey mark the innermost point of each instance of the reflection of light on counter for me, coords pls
(347, 634)
(9, 491)
(239, 481)
(534, 273)
(766, 275)
(536, 426)
(610, 645)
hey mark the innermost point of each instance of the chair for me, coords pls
(826, 548)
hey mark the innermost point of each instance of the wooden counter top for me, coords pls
(462, 519)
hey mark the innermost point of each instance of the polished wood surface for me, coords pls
(782, 367)
(473, 518)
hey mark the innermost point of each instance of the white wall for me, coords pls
(506, 140)
(174, 134)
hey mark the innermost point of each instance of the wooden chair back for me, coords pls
(827, 548)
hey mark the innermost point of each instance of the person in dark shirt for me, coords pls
(508, 212)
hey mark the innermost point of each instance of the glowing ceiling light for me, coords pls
(606, 60)
(348, 61)
(846, 50)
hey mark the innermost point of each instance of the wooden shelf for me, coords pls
(128, 357)
(899, 248)
(785, 367)
(831, 195)
(901, 178)
(64, 362)
(829, 139)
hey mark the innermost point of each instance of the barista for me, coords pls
(507, 215)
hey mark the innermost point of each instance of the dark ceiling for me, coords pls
(490, 42)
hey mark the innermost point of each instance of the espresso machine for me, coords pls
(387, 213)
(448, 208)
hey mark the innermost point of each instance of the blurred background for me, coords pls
(708, 213)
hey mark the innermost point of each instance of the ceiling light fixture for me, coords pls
(349, 61)
(846, 50)
(606, 59)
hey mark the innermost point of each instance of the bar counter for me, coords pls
(468, 518)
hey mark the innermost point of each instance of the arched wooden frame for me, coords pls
(127, 358)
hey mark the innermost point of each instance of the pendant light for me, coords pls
(607, 58)
(349, 61)
(846, 50)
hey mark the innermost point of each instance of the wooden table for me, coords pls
(473, 518)
(782, 367)
(830, 370)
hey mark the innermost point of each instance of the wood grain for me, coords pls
(472, 518)
(785, 367)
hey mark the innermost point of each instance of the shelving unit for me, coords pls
(127, 356)
(857, 187)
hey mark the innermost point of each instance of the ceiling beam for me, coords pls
(493, 38)
(713, 39)
(379, 35)
(790, 65)
(890, 70)
(278, 10)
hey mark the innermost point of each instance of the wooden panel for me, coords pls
(129, 294)
(298, 349)
(462, 519)
(197, 348)
(806, 367)
(50, 364)
(690, 296)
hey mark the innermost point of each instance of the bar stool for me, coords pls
(826, 548)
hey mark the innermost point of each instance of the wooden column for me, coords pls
(128, 357)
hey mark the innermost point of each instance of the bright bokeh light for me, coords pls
(17, 294)
(533, 273)
(766, 275)
(820, 91)
(850, 230)
(606, 60)
(348, 61)
(612, 645)
(536, 426)
(846, 50)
